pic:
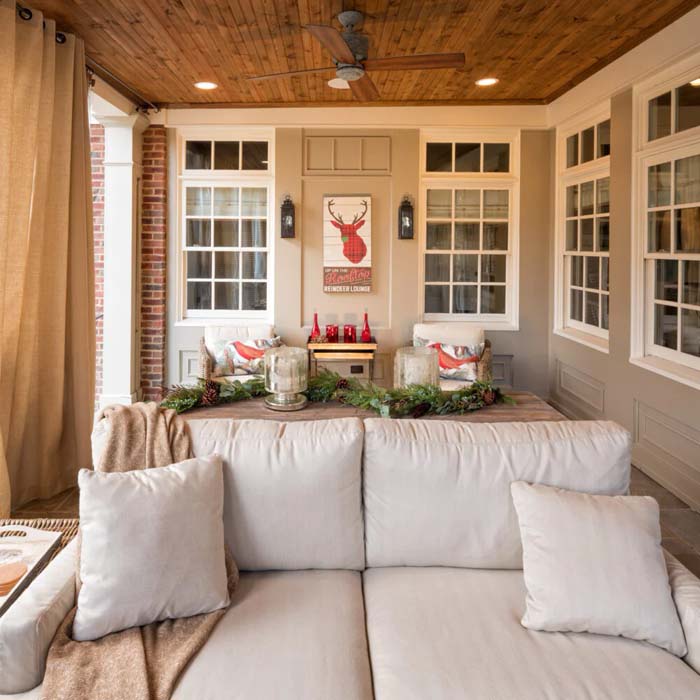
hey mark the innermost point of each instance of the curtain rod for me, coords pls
(26, 14)
(108, 76)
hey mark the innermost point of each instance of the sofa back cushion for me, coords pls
(437, 493)
(292, 491)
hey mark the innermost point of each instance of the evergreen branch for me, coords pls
(416, 400)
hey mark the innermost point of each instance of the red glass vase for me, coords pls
(366, 335)
(349, 334)
(315, 330)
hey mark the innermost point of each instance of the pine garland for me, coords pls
(415, 400)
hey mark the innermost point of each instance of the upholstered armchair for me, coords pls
(212, 334)
(459, 333)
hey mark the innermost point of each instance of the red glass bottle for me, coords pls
(315, 330)
(366, 336)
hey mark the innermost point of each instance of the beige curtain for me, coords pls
(47, 343)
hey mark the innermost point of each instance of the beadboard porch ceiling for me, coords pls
(537, 48)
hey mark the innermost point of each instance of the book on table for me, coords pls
(23, 553)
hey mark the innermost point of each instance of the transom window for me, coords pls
(673, 254)
(467, 246)
(226, 155)
(674, 111)
(475, 157)
(588, 145)
(226, 248)
(586, 254)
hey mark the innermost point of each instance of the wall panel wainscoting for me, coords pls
(664, 444)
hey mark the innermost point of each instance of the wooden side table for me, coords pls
(353, 354)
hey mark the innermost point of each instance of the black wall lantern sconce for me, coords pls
(287, 218)
(406, 219)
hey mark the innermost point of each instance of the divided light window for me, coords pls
(674, 111)
(452, 157)
(586, 254)
(672, 257)
(225, 248)
(467, 248)
(588, 144)
(226, 155)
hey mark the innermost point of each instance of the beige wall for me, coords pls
(530, 345)
(663, 415)
(394, 303)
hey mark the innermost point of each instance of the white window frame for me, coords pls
(673, 364)
(479, 180)
(225, 178)
(583, 333)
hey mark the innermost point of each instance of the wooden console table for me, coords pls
(528, 407)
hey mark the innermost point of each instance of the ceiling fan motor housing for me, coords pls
(349, 73)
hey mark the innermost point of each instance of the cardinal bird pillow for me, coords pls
(456, 361)
(241, 356)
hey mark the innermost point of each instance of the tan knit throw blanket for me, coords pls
(141, 663)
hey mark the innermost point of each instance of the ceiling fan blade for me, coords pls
(333, 41)
(419, 62)
(364, 89)
(272, 76)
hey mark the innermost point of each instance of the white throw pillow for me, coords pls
(457, 362)
(236, 357)
(595, 564)
(152, 546)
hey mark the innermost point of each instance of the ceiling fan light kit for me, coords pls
(338, 84)
(350, 50)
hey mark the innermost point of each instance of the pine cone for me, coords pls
(210, 397)
(489, 397)
(420, 410)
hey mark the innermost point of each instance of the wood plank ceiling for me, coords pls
(537, 48)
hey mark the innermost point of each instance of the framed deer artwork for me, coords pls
(347, 243)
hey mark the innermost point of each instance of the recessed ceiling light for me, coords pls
(485, 82)
(206, 85)
(695, 83)
(339, 84)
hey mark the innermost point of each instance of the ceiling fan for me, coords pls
(349, 52)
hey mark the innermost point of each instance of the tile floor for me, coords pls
(680, 526)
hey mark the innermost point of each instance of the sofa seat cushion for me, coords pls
(297, 634)
(447, 634)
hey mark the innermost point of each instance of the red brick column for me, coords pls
(97, 157)
(153, 261)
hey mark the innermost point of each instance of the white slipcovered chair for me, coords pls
(215, 333)
(458, 333)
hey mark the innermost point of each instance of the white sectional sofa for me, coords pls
(382, 559)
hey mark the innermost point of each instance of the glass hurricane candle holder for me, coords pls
(416, 366)
(286, 376)
(332, 332)
(349, 334)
